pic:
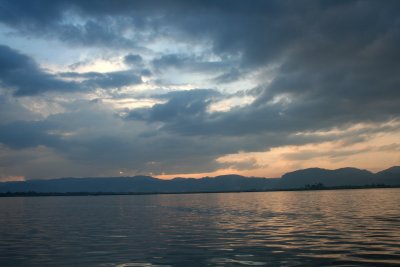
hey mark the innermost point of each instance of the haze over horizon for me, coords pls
(197, 88)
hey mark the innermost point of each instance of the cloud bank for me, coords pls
(139, 82)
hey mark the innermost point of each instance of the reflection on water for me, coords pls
(313, 228)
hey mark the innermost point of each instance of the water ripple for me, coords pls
(319, 228)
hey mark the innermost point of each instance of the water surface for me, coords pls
(311, 228)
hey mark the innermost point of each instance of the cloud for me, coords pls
(24, 76)
(50, 19)
(24, 134)
(99, 32)
(92, 135)
(133, 59)
(89, 135)
(180, 105)
(114, 79)
(347, 50)
(230, 76)
(312, 67)
(11, 110)
(189, 63)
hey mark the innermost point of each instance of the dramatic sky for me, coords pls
(196, 88)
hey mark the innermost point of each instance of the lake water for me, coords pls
(310, 228)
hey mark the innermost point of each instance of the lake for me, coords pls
(311, 228)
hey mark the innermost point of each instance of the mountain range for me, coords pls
(343, 177)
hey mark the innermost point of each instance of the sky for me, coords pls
(197, 88)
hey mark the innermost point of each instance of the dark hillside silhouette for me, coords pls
(307, 178)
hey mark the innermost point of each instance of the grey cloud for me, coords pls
(49, 19)
(146, 72)
(302, 114)
(339, 61)
(11, 110)
(189, 63)
(185, 113)
(308, 154)
(230, 76)
(337, 64)
(137, 63)
(243, 165)
(312, 42)
(185, 105)
(339, 153)
(113, 79)
(99, 139)
(391, 147)
(24, 134)
(173, 60)
(24, 76)
(104, 32)
(261, 32)
(133, 59)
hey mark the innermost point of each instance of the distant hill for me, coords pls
(389, 176)
(339, 177)
(147, 184)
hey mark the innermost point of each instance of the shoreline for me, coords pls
(72, 194)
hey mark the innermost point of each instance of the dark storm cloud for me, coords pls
(22, 74)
